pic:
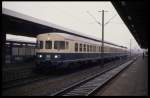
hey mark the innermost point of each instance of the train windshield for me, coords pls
(48, 45)
(59, 45)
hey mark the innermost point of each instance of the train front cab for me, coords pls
(50, 54)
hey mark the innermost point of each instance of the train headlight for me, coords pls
(57, 56)
(40, 56)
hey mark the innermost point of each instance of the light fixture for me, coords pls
(132, 25)
(129, 17)
(123, 3)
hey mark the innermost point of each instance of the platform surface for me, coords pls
(133, 81)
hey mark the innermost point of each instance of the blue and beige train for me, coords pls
(58, 49)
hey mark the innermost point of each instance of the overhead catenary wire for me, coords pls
(110, 20)
(94, 18)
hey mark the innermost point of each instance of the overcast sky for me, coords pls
(73, 15)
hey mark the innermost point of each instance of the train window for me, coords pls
(84, 47)
(94, 50)
(90, 48)
(87, 48)
(99, 48)
(76, 47)
(40, 44)
(67, 45)
(36, 44)
(105, 48)
(59, 45)
(110, 49)
(114, 50)
(81, 47)
(48, 45)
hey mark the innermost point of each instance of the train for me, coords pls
(61, 50)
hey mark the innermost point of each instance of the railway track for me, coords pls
(20, 72)
(23, 81)
(90, 85)
(28, 80)
(13, 77)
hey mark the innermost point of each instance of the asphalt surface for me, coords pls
(133, 81)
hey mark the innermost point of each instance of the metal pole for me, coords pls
(102, 47)
(102, 50)
(130, 47)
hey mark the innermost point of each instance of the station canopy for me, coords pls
(132, 13)
(135, 16)
(20, 24)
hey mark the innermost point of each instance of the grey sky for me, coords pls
(73, 15)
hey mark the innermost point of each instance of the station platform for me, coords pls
(133, 81)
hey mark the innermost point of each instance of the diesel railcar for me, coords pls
(57, 50)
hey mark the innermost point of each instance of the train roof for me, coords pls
(69, 35)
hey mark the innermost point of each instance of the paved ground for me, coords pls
(131, 82)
